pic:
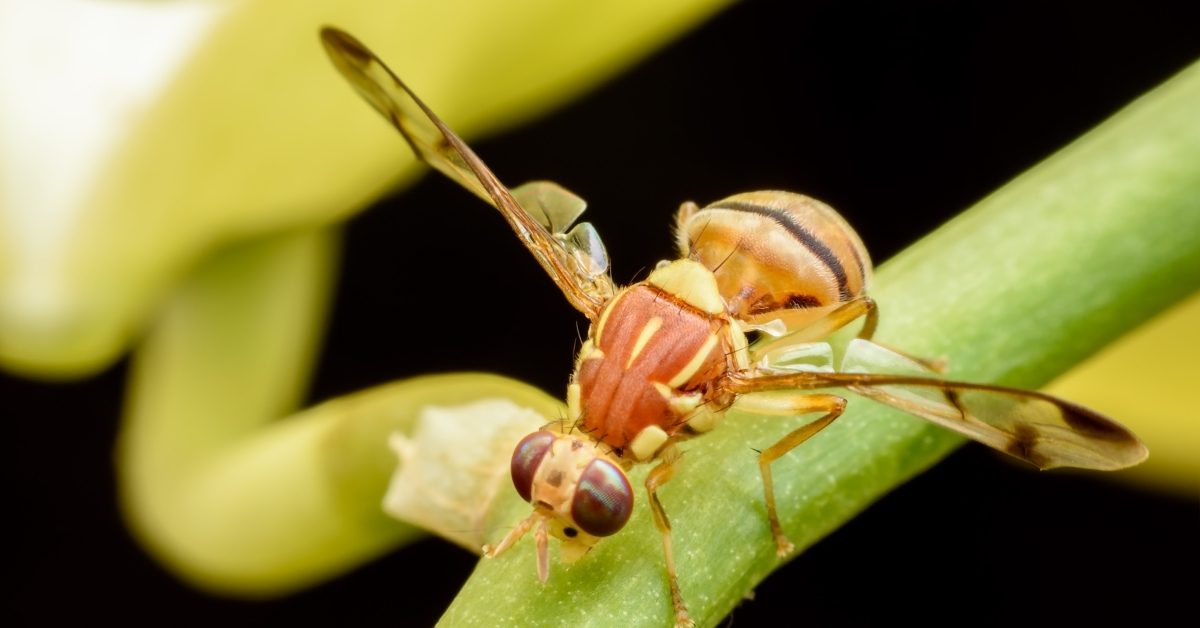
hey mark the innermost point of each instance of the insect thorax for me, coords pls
(654, 359)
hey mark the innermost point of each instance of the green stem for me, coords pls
(1029, 282)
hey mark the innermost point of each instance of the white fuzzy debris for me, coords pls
(454, 465)
(75, 76)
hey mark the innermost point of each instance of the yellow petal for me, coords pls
(1148, 380)
(135, 137)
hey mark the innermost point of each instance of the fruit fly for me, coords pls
(666, 357)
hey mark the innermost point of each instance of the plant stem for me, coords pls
(1029, 282)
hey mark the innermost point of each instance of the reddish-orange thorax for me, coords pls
(654, 358)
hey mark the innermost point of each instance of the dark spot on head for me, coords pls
(555, 478)
(576, 445)
(570, 532)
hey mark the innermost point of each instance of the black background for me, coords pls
(898, 114)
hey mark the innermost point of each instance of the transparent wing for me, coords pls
(1043, 430)
(541, 215)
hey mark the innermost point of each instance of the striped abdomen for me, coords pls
(777, 255)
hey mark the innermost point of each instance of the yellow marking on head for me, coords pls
(647, 442)
(644, 336)
(690, 282)
(574, 407)
(697, 361)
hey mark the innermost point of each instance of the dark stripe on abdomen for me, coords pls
(802, 235)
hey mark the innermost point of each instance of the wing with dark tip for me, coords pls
(574, 258)
(1039, 428)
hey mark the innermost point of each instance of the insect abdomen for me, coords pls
(777, 255)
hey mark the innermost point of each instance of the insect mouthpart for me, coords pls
(572, 479)
(579, 494)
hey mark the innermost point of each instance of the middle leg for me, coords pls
(861, 307)
(790, 404)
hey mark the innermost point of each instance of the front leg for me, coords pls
(789, 404)
(658, 476)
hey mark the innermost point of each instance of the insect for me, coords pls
(666, 357)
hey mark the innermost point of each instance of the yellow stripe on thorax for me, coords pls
(694, 365)
(644, 336)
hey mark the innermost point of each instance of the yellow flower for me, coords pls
(174, 171)
(136, 138)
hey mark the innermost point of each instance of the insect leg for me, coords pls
(788, 405)
(860, 307)
(514, 535)
(658, 476)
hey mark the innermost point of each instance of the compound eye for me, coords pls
(526, 458)
(603, 499)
